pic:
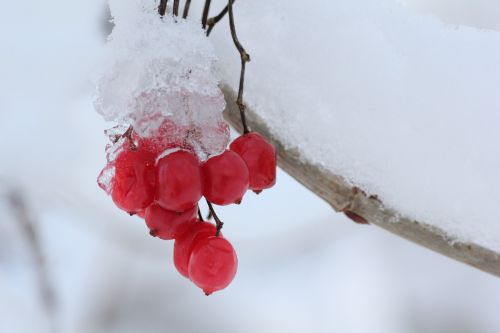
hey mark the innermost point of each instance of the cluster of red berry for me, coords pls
(163, 181)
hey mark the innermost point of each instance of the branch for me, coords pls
(28, 227)
(357, 205)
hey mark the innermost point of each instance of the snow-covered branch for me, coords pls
(344, 198)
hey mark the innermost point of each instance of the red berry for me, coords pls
(178, 181)
(225, 178)
(260, 158)
(134, 180)
(166, 224)
(213, 264)
(185, 241)
(141, 213)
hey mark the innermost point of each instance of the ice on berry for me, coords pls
(113, 149)
(116, 132)
(105, 178)
(162, 69)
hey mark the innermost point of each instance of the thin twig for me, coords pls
(245, 57)
(218, 222)
(200, 217)
(186, 9)
(204, 17)
(214, 20)
(162, 8)
(175, 9)
(21, 211)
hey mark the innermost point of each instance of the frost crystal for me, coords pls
(158, 71)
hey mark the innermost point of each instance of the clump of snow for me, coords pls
(400, 103)
(162, 69)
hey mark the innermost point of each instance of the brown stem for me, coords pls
(175, 9)
(204, 17)
(186, 9)
(200, 217)
(218, 222)
(162, 8)
(214, 20)
(245, 57)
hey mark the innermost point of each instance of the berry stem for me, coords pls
(175, 9)
(200, 217)
(162, 8)
(215, 19)
(245, 57)
(204, 17)
(186, 9)
(218, 222)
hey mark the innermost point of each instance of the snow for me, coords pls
(400, 103)
(161, 69)
(482, 14)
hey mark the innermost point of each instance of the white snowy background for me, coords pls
(302, 267)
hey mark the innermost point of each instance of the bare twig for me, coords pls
(28, 228)
(186, 9)
(206, 10)
(218, 222)
(214, 20)
(162, 8)
(245, 57)
(335, 190)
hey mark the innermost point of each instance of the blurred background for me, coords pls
(71, 262)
